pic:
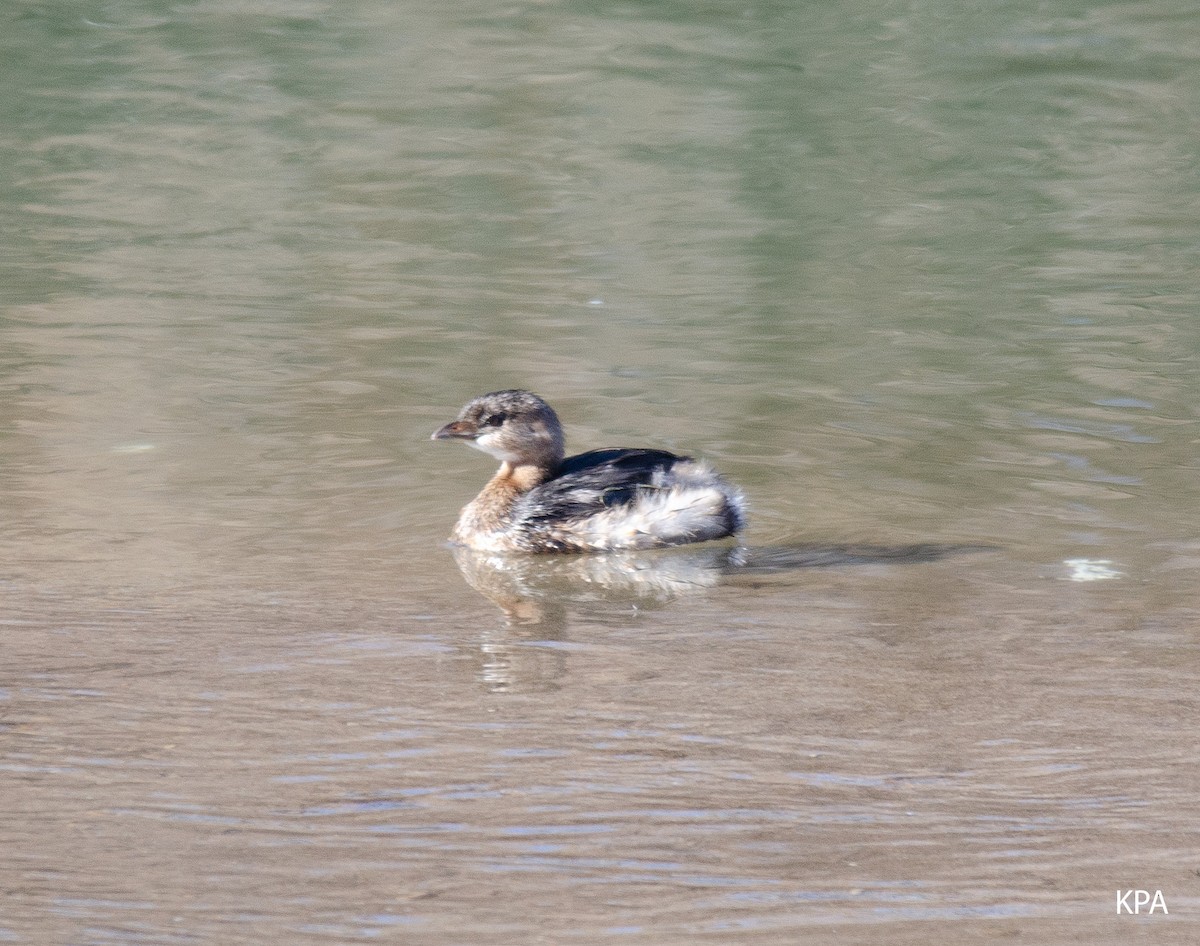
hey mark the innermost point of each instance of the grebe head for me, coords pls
(516, 427)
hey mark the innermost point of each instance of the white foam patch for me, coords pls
(1089, 569)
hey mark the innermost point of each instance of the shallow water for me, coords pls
(920, 279)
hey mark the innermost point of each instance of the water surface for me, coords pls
(911, 275)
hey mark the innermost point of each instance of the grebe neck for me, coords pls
(520, 477)
(492, 510)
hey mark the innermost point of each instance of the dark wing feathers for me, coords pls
(628, 463)
(599, 478)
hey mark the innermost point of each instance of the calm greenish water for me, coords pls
(908, 273)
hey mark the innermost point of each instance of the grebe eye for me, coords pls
(494, 420)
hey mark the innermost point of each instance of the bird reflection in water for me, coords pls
(537, 593)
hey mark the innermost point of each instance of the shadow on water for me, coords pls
(514, 582)
(781, 558)
(527, 588)
(537, 594)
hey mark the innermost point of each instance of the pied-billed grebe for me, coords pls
(597, 501)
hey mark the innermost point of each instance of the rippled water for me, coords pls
(920, 278)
